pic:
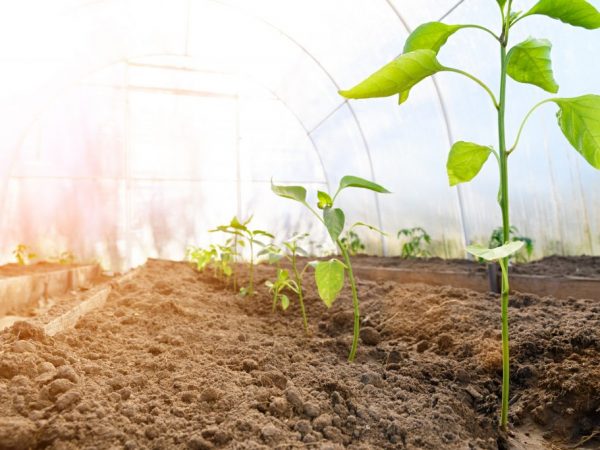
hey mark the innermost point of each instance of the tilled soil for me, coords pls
(552, 266)
(176, 361)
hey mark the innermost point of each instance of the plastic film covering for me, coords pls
(132, 127)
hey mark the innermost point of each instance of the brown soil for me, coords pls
(553, 266)
(175, 361)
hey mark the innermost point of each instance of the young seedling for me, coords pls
(23, 255)
(497, 240)
(283, 280)
(353, 243)
(414, 247)
(242, 234)
(330, 275)
(526, 62)
(218, 257)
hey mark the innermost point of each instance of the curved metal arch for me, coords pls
(53, 98)
(276, 96)
(337, 86)
(445, 115)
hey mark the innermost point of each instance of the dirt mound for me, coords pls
(175, 361)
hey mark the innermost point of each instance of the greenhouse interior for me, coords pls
(283, 224)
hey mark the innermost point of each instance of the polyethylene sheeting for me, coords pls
(131, 128)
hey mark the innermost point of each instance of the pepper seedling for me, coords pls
(283, 280)
(23, 255)
(330, 275)
(526, 62)
(416, 238)
(242, 234)
(353, 242)
(219, 257)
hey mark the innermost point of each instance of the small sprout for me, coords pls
(241, 235)
(23, 255)
(290, 251)
(416, 241)
(330, 275)
(353, 243)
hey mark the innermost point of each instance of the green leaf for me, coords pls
(579, 120)
(465, 160)
(325, 200)
(235, 223)
(370, 227)
(578, 13)
(357, 182)
(329, 276)
(398, 76)
(263, 233)
(285, 302)
(501, 3)
(297, 193)
(494, 254)
(334, 221)
(529, 62)
(430, 36)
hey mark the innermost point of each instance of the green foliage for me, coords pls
(495, 254)
(242, 235)
(219, 258)
(66, 258)
(578, 13)
(465, 161)
(416, 241)
(327, 273)
(330, 276)
(579, 120)
(353, 243)
(23, 255)
(497, 240)
(429, 36)
(397, 77)
(281, 283)
(290, 251)
(529, 62)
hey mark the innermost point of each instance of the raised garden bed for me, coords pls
(563, 277)
(173, 360)
(25, 290)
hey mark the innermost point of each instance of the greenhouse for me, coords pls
(280, 224)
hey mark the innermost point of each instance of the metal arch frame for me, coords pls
(255, 81)
(53, 98)
(444, 111)
(337, 86)
(129, 60)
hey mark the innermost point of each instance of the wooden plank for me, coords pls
(561, 287)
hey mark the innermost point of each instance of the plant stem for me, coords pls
(536, 106)
(504, 205)
(251, 288)
(476, 80)
(505, 346)
(355, 304)
(300, 293)
(234, 258)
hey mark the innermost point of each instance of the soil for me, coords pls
(174, 360)
(552, 266)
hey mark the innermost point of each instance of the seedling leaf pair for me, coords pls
(495, 254)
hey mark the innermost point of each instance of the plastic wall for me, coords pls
(131, 127)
